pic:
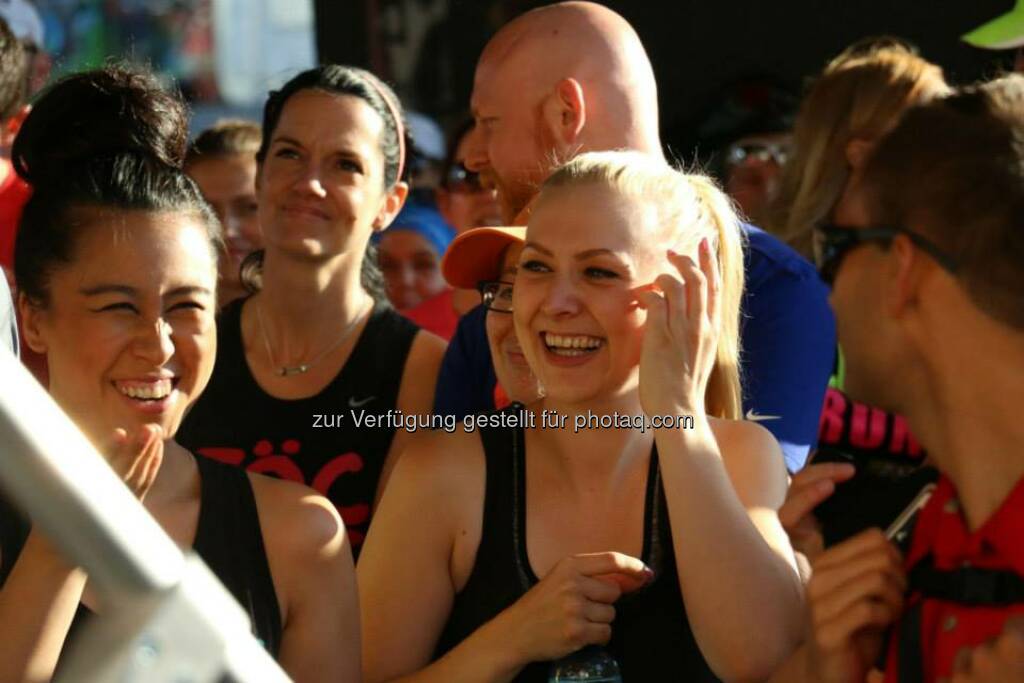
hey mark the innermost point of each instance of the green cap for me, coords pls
(1002, 33)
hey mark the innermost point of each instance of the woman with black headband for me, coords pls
(308, 362)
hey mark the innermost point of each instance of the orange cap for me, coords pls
(475, 255)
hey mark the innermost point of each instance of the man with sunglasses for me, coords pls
(927, 277)
(574, 77)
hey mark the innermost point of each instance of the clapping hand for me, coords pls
(136, 457)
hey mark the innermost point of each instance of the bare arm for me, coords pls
(37, 605)
(415, 395)
(311, 562)
(405, 585)
(741, 586)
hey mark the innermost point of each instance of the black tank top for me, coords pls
(228, 538)
(651, 637)
(315, 441)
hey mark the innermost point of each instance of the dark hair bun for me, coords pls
(102, 113)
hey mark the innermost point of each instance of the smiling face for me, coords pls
(575, 302)
(228, 184)
(321, 185)
(129, 331)
(510, 364)
(411, 268)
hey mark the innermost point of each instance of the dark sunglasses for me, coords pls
(832, 242)
(497, 295)
(461, 180)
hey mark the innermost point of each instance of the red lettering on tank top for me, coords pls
(867, 427)
(329, 473)
(830, 426)
(355, 514)
(903, 442)
(228, 456)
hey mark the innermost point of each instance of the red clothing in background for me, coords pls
(14, 192)
(435, 315)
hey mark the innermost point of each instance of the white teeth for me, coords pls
(151, 390)
(584, 342)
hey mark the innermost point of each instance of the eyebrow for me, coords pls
(287, 140)
(131, 291)
(589, 253)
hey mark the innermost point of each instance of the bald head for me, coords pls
(554, 82)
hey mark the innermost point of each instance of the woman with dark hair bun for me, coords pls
(117, 274)
(315, 370)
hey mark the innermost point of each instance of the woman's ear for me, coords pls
(857, 152)
(394, 200)
(33, 322)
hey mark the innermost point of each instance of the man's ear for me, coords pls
(33, 319)
(565, 112)
(903, 276)
(394, 200)
(857, 152)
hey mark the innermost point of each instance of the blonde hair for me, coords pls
(860, 95)
(690, 207)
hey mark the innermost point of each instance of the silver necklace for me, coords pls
(301, 368)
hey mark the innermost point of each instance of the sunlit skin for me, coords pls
(465, 210)
(510, 366)
(134, 310)
(322, 168)
(537, 102)
(411, 267)
(575, 281)
(229, 185)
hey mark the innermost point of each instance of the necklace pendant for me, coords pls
(285, 371)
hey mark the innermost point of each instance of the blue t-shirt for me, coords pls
(788, 339)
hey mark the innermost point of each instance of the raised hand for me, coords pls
(572, 606)
(136, 458)
(680, 336)
(808, 488)
(856, 592)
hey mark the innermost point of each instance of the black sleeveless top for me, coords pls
(316, 441)
(651, 637)
(228, 538)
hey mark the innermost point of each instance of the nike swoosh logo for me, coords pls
(353, 403)
(754, 417)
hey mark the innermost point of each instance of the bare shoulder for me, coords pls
(296, 520)
(426, 352)
(443, 464)
(753, 459)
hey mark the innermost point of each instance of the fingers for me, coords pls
(856, 547)
(694, 285)
(596, 564)
(600, 590)
(809, 488)
(709, 266)
(599, 613)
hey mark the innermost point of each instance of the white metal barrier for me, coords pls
(167, 618)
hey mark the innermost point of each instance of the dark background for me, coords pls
(697, 47)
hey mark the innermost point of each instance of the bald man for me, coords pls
(574, 77)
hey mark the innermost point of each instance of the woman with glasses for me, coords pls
(486, 258)
(519, 546)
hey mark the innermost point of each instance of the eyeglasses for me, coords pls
(756, 151)
(832, 242)
(497, 295)
(461, 180)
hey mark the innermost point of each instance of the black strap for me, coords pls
(968, 586)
